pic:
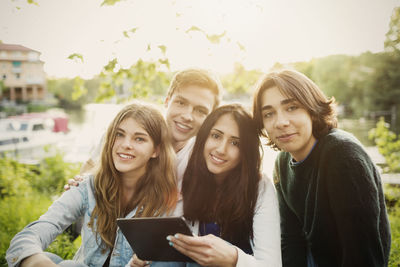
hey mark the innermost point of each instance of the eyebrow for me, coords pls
(196, 106)
(283, 102)
(135, 133)
(221, 132)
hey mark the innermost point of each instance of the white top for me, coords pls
(182, 158)
(266, 228)
(266, 244)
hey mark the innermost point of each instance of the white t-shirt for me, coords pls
(182, 159)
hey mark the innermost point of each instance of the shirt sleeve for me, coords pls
(38, 235)
(266, 228)
(357, 203)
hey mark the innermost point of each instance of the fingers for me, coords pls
(136, 262)
(193, 247)
(78, 178)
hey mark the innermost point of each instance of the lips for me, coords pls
(217, 160)
(286, 137)
(125, 156)
(182, 127)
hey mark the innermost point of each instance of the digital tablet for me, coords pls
(147, 237)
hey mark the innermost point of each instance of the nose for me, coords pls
(187, 114)
(127, 143)
(281, 120)
(221, 147)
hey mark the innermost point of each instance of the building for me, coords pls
(22, 74)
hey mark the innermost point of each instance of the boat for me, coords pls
(25, 137)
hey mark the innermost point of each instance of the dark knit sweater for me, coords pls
(332, 205)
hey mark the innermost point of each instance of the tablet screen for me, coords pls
(147, 237)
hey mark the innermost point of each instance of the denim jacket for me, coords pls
(74, 203)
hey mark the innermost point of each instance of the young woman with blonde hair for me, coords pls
(135, 178)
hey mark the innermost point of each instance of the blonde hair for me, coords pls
(197, 77)
(155, 192)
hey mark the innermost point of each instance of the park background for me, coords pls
(99, 55)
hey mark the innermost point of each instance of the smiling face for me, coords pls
(221, 150)
(186, 111)
(287, 123)
(132, 148)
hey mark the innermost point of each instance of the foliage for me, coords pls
(392, 195)
(73, 93)
(388, 144)
(138, 81)
(13, 178)
(52, 174)
(16, 212)
(26, 193)
(240, 81)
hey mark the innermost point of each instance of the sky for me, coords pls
(255, 33)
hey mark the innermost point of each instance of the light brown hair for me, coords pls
(296, 85)
(196, 77)
(155, 192)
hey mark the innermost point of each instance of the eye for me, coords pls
(235, 142)
(180, 102)
(215, 135)
(140, 139)
(268, 114)
(292, 108)
(202, 111)
(119, 134)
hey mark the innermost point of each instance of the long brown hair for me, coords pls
(296, 85)
(155, 192)
(232, 203)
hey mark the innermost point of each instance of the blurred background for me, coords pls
(67, 67)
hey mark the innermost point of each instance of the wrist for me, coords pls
(234, 257)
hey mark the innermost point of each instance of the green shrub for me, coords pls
(13, 178)
(392, 196)
(388, 144)
(26, 192)
(16, 213)
(52, 174)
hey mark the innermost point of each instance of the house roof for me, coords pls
(15, 47)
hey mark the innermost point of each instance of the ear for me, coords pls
(156, 152)
(166, 102)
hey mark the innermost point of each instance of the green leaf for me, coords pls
(163, 48)
(109, 2)
(32, 2)
(215, 38)
(76, 57)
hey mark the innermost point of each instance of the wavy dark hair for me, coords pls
(232, 203)
(296, 85)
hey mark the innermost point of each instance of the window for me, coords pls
(17, 75)
(4, 76)
(16, 64)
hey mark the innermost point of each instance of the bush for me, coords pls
(26, 192)
(392, 195)
(52, 174)
(13, 178)
(388, 144)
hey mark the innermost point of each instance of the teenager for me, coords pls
(234, 208)
(192, 95)
(135, 178)
(330, 194)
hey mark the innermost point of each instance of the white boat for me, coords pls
(25, 137)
